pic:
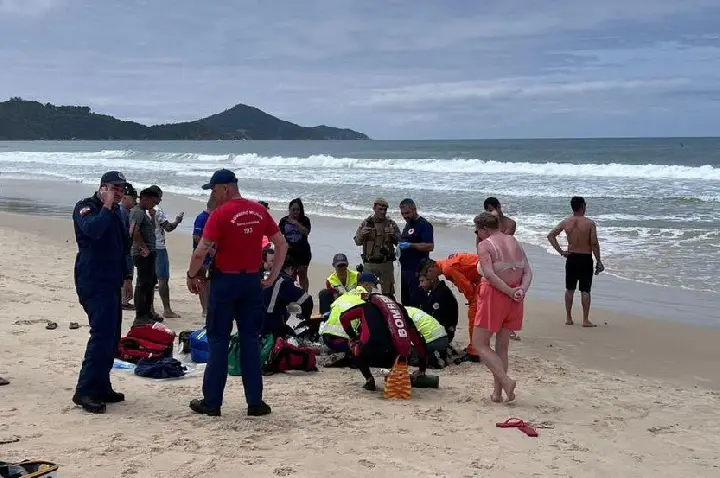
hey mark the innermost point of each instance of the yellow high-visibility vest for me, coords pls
(427, 325)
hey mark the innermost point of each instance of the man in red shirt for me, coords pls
(235, 229)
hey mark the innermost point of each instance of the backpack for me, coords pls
(286, 356)
(199, 347)
(234, 362)
(146, 342)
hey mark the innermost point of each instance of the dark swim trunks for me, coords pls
(579, 270)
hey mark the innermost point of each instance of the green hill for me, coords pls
(31, 120)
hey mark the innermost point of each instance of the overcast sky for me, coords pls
(392, 69)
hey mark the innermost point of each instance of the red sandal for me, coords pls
(519, 424)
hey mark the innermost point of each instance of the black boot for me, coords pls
(111, 397)
(198, 406)
(89, 404)
(259, 410)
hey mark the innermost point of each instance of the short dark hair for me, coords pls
(425, 266)
(491, 202)
(407, 202)
(290, 263)
(156, 188)
(265, 204)
(487, 220)
(149, 192)
(577, 203)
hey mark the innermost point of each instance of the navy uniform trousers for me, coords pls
(105, 315)
(233, 298)
(100, 266)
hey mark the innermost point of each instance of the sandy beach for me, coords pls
(635, 397)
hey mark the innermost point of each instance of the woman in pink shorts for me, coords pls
(506, 277)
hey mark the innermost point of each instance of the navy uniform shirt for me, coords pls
(276, 299)
(415, 232)
(442, 305)
(103, 244)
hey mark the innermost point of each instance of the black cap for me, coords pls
(113, 177)
(221, 176)
(340, 260)
(130, 190)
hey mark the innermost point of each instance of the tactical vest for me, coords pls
(378, 246)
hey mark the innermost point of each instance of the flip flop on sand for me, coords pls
(74, 325)
(520, 425)
(4, 382)
(51, 325)
(127, 307)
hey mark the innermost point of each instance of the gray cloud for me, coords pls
(389, 68)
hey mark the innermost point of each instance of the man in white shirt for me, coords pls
(162, 263)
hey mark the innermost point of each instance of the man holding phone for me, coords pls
(100, 267)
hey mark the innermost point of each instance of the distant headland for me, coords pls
(32, 120)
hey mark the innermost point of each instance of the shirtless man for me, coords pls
(507, 225)
(582, 245)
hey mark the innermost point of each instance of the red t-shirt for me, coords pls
(237, 229)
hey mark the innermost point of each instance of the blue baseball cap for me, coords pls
(367, 277)
(113, 177)
(221, 176)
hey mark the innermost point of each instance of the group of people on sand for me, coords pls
(248, 269)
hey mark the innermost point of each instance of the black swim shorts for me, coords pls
(579, 270)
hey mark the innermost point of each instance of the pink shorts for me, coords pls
(496, 310)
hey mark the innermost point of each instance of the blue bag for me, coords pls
(199, 347)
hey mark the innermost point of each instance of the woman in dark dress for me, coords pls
(296, 229)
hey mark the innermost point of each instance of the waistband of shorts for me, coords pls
(238, 272)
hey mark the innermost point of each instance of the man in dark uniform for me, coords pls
(416, 243)
(100, 271)
(235, 229)
(276, 299)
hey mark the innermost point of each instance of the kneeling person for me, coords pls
(339, 282)
(434, 335)
(284, 291)
(385, 336)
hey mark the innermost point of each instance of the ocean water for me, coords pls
(656, 201)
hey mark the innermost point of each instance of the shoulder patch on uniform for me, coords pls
(85, 211)
(436, 306)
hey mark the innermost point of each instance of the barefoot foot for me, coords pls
(510, 390)
(588, 324)
(496, 397)
(171, 315)
(569, 321)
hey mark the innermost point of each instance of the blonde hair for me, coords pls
(487, 221)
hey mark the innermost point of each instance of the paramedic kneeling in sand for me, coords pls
(386, 334)
(331, 330)
(235, 229)
(342, 280)
(434, 335)
(506, 277)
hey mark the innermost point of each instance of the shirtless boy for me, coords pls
(582, 245)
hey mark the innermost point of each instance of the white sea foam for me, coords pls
(322, 161)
